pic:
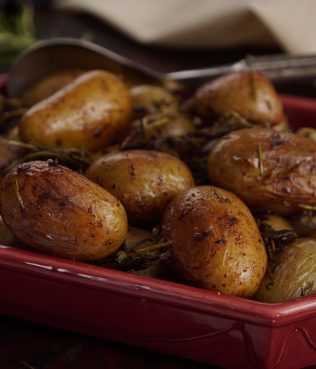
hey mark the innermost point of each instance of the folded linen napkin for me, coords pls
(210, 23)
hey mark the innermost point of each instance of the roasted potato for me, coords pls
(276, 223)
(88, 113)
(215, 241)
(151, 99)
(49, 85)
(167, 125)
(249, 94)
(144, 181)
(307, 132)
(269, 170)
(292, 273)
(57, 211)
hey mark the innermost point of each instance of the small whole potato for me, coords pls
(88, 113)
(60, 212)
(151, 99)
(307, 132)
(292, 273)
(167, 125)
(215, 241)
(144, 181)
(269, 170)
(275, 222)
(249, 94)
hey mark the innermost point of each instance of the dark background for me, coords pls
(55, 23)
(51, 22)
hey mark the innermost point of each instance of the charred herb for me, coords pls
(193, 148)
(260, 159)
(276, 240)
(11, 111)
(72, 158)
(146, 255)
(307, 207)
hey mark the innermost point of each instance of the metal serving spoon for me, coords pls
(53, 55)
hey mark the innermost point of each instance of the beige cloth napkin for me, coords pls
(210, 23)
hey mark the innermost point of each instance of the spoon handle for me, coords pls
(276, 67)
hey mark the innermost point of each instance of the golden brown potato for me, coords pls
(49, 85)
(167, 125)
(88, 113)
(151, 99)
(215, 241)
(144, 181)
(292, 273)
(60, 212)
(307, 132)
(276, 222)
(268, 170)
(249, 94)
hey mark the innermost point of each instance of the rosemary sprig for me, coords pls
(307, 207)
(154, 247)
(252, 80)
(260, 159)
(73, 158)
(18, 195)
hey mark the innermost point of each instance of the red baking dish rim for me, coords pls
(165, 292)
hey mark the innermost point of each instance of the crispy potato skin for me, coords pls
(144, 181)
(60, 212)
(292, 273)
(88, 113)
(216, 243)
(285, 184)
(248, 93)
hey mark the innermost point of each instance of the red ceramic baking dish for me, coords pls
(225, 331)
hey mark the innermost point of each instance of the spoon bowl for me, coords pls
(54, 55)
